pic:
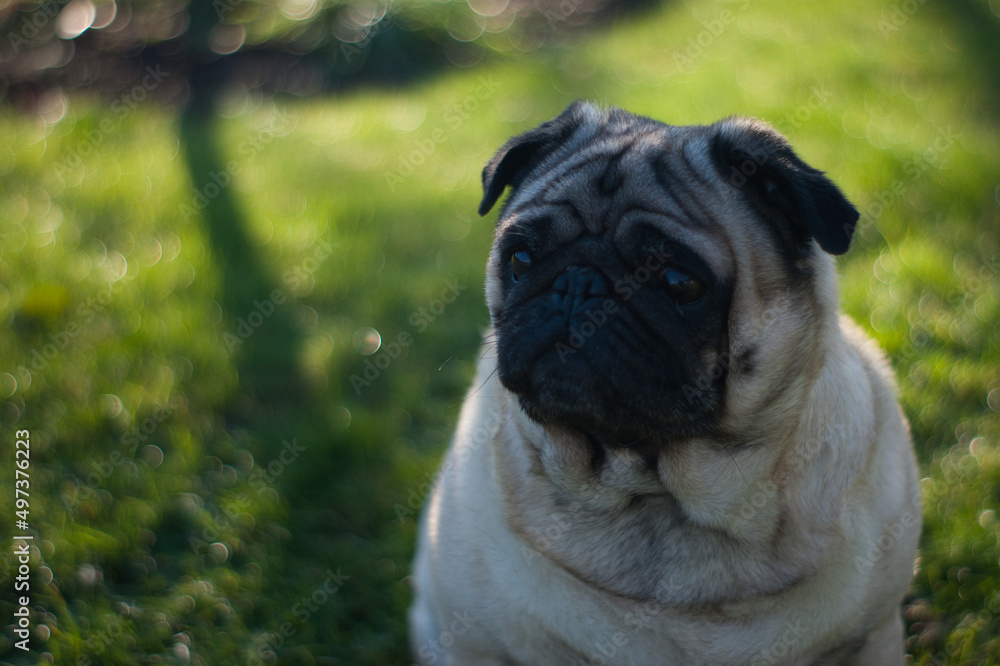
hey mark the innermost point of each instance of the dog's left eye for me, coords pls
(520, 262)
(683, 288)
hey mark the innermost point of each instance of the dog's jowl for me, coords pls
(677, 450)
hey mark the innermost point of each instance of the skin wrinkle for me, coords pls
(843, 652)
(657, 165)
(696, 173)
(514, 497)
(557, 169)
(562, 179)
(577, 214)
(644, 208)
(557, 177)
(611, 183)
(548, 190)
(705, 215)
(621, 514)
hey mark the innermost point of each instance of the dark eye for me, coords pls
(683, 288)
(520, 262)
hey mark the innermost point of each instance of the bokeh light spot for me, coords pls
(75, 18)
(104, 15)
(153, 455)
(226, 39)
(367, 341)
(489, 8)
(299, 10)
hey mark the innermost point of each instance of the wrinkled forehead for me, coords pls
(659, 176)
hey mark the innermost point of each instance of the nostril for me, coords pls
(597, 285)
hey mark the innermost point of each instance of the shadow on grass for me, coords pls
(259, 326)
(979, 36)
(334, 585)
(974, 30)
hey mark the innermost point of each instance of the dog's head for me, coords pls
(641, 272)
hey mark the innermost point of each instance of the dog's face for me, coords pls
(637, 268)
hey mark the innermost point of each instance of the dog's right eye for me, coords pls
(520, 262)
(683, 288)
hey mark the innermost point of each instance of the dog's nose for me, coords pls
(575, 286)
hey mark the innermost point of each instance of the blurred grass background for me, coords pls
(239, 316)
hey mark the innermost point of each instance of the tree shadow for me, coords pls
(336, 501)
(979, 36)
(340, 500)
(258, 310)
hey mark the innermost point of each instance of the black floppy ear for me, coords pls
(524, 152)
(796, 199)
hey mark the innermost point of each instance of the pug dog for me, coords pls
(676, 449)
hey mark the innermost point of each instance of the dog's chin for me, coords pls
(613, 401)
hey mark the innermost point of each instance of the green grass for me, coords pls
(233, 497)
